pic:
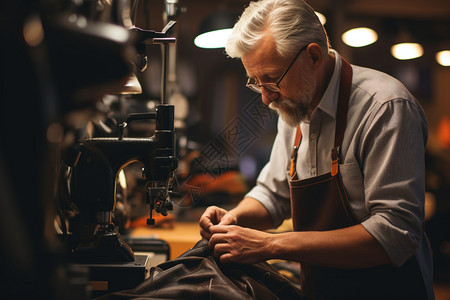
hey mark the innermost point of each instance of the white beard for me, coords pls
(293, 112)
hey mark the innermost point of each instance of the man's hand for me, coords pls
(238, 244)
(214, 215)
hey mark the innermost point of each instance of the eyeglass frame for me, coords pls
(273, 86)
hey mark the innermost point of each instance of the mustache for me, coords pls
(296, 110)
(293, 112)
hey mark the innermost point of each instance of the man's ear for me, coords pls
(315, 55)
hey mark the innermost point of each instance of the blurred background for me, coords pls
(70, 69)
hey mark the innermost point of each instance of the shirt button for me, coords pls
(313, 136)
(313, 171)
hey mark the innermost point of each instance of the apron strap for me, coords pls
(298, 138)
(344, 96)
(341, 114)
(345, 85)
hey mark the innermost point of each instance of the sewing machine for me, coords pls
(93, 185)
(94, 239)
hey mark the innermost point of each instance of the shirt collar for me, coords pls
(328, 103)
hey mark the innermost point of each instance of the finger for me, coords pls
(226, 258)
(205, 220)
(205, 224)
(205, 233)
(218, 229)
(217, 238)
(228, 219)
(210, 217)
(220, 249)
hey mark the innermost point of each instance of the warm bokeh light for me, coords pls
(33, 33)
(444, 132)
(360, 37)
(405, 51)
(213, 39)
(443, 58)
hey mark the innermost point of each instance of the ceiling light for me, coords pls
(213, 39)
(404, 51)
(443, 58)
(360, 37)
(215, 30)
(406, 46)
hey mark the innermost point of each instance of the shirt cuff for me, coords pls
(399, 244)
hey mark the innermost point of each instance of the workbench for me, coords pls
(181, 236)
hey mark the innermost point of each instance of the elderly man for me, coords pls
(347, 165)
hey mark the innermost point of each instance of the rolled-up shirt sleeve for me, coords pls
(272, 186)
(392, 151)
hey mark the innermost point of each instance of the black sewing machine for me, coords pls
(94, 239)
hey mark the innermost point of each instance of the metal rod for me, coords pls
(165, 54)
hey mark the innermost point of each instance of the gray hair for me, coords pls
(293, 24)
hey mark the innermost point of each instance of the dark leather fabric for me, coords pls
(197, 275)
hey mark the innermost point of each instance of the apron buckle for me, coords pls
(335, 157)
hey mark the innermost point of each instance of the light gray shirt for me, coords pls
(382, 162)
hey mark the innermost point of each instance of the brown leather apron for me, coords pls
(321, 203)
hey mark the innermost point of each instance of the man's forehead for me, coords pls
(263, 59)
(264, 47)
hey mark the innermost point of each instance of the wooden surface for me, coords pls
(180, 238)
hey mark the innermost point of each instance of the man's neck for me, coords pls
(325, 75)
(323, 80)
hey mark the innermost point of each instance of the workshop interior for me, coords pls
(121, 124)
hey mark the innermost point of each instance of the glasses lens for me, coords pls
(254, 88)
(253, 85)
(271, 87)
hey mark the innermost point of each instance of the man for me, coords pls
(347, 164)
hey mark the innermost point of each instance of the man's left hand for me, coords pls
(235, 244)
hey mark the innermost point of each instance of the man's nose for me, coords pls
(268, 96)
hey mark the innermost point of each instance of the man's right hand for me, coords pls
(214, 215)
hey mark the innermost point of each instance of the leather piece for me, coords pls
(196, 274)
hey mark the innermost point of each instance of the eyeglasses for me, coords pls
(273, 87)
